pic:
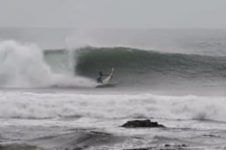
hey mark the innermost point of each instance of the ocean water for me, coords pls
(49, 98)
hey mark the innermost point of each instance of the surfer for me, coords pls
(100, 77)
(107, 79)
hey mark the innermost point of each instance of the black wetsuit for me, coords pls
(99, 78)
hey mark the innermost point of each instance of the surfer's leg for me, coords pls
(99, 80)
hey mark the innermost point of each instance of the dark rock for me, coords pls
(78, 148)
(142, 124)
(140, 149)
(211, 135)
(167, 145)
(175, 146)
(184, 145)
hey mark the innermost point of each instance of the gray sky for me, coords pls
(113, 13)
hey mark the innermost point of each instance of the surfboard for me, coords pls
(107, 81)
(109, 77)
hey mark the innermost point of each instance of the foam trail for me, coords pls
(23, 65)
(110, 106)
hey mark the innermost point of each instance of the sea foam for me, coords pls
(23, 66)
(110, 106)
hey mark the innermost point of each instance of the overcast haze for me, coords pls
(113, 13)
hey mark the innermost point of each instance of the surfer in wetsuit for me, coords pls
(108, 78)
(100, 77)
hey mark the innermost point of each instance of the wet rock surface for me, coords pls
(142, 124)
(166, 147)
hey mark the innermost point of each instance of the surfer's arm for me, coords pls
(109, 73)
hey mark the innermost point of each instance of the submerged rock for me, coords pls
(142, 124)
(165, 147)
(140, 149)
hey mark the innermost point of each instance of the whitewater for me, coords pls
(23, 66)
(49, 98)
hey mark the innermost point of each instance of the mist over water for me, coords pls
(23, 66)
(189, 41)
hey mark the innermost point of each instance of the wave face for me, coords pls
(148, 67)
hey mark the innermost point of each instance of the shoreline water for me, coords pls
(70, 120)
(99, 139)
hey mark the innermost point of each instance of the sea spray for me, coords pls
(23, 65)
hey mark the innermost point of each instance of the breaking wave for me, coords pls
(28, 66)
(23, 65)
(148, 67)
(110, 106)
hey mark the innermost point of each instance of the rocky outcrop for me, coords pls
(142, 124)
(165, 147)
